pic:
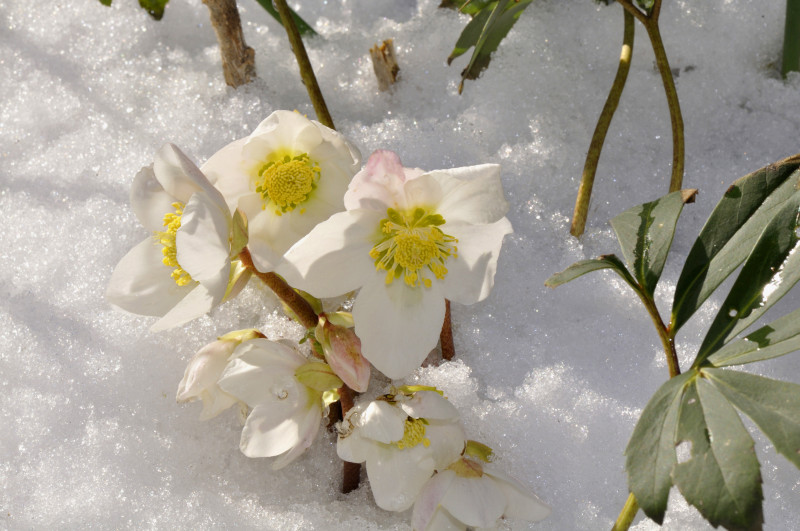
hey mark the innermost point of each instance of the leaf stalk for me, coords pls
(628, 513)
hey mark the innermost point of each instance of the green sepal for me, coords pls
(331, 396)
(318, 376)
(240, 336)
(239, 235)
(479, 451)
(409, 390)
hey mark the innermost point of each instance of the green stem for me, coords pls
(791, 38)
(601, 129)
(663, 333)
(306, 71)
(626, 516)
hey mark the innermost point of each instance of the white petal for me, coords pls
(396, 476)
(382, 422)
(522, 503)
(470, 276)
(142, 284)
(149, 200)
(472, 194)
(263, 372)
(444, 521)
(215, 401)
(424, 190)
(270, 431)
(447, 442)
(308, 428)
(354, 448)
(203, 243)
(427, 503)
(475, 501)
(379, 185)
(398, 325)
(289, 129)
(204, 369)
(226, 170)
(199, 301)
(430, 405)
(334, 257)
(179, 175)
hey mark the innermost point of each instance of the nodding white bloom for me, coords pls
(468, 494)
(288, 175)
(409, 240)
(184, 269)
(288, 396)
(403, 437)
(205, 369)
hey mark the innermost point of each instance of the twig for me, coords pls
(238, 59)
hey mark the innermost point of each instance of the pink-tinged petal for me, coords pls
(521, 504)
(142, 284)
(470, 276)
(334, 257)
(396, 477)
(447, 442)
(149, 200)
(398, 325)
(227, 171)
(476, 501)
(308, 429)
(203, 244)
(382, 422)
(430, 405)
(179, 176)
(345, 357)
(379, 185)
(429, 499)
(472, 194)
(196, 303)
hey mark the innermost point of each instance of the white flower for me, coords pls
(286, 412)
(469, 494)
(184, 269)
(409, 240)
(288, 175)
(205, 369)
(403, 438)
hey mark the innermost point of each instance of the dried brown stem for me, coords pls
(238, 59)
(446, 337)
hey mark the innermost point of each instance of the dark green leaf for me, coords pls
(721, 478)
(773, 405)
(775, 339)
(730, 232)
(469, 37)
(651, 450)
(302, 26)
(468, 7)
(106, 2)
(771, 270)
(645, 234)
(154, 7)
(608, 261)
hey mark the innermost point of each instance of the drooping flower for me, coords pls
(287, 393)
(185, 268)
(286, 176)
(409, 240)
(341, 348)
(205, 369)
(403, 437)
(469, 493)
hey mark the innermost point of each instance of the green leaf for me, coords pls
(645, 234)
(106, 2)
(154, 7)
(721, 478)
(302, 26)
(607, 261)
(773, 405)
(730, 232)
(651, 450)
(468, 7)
(471, 33)
(771, 270)
(647, 5)
(775, 339)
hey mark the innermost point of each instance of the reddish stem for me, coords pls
(351, 472)
(446, 337)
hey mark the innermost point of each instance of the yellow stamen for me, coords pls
(413, 434)
(172, 221)
(287, 183)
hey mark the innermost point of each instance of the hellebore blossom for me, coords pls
(205, 369)
(288, 175)
(184, 269)
(468, 494)
(342, 349)
(409, 240)
(403, 437)
(288, 396)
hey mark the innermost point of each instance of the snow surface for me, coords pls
(552, 379)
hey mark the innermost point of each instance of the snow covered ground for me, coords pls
(554, 380)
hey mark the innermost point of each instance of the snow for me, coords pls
(553, 380)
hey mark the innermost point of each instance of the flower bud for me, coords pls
(342, 350)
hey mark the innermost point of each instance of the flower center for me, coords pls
(413, 243)
(287, 183)
(413, 434)
(172, 221)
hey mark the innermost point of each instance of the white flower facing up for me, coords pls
(288, 175)
(288, 396)
(403, 437)
(468, 494)
(184, 269)
(409, 240)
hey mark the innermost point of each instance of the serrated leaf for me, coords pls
(608, 261)
(770, 271)
(302, 26)
(651, 450)
(154, 7)
(645, 235)
(773, 405)
(729, 234)
(722, 477)
(770, 341)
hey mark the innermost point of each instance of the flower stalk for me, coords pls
(628, 513)
(351, 472)
(238, 59)
(791, 38)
